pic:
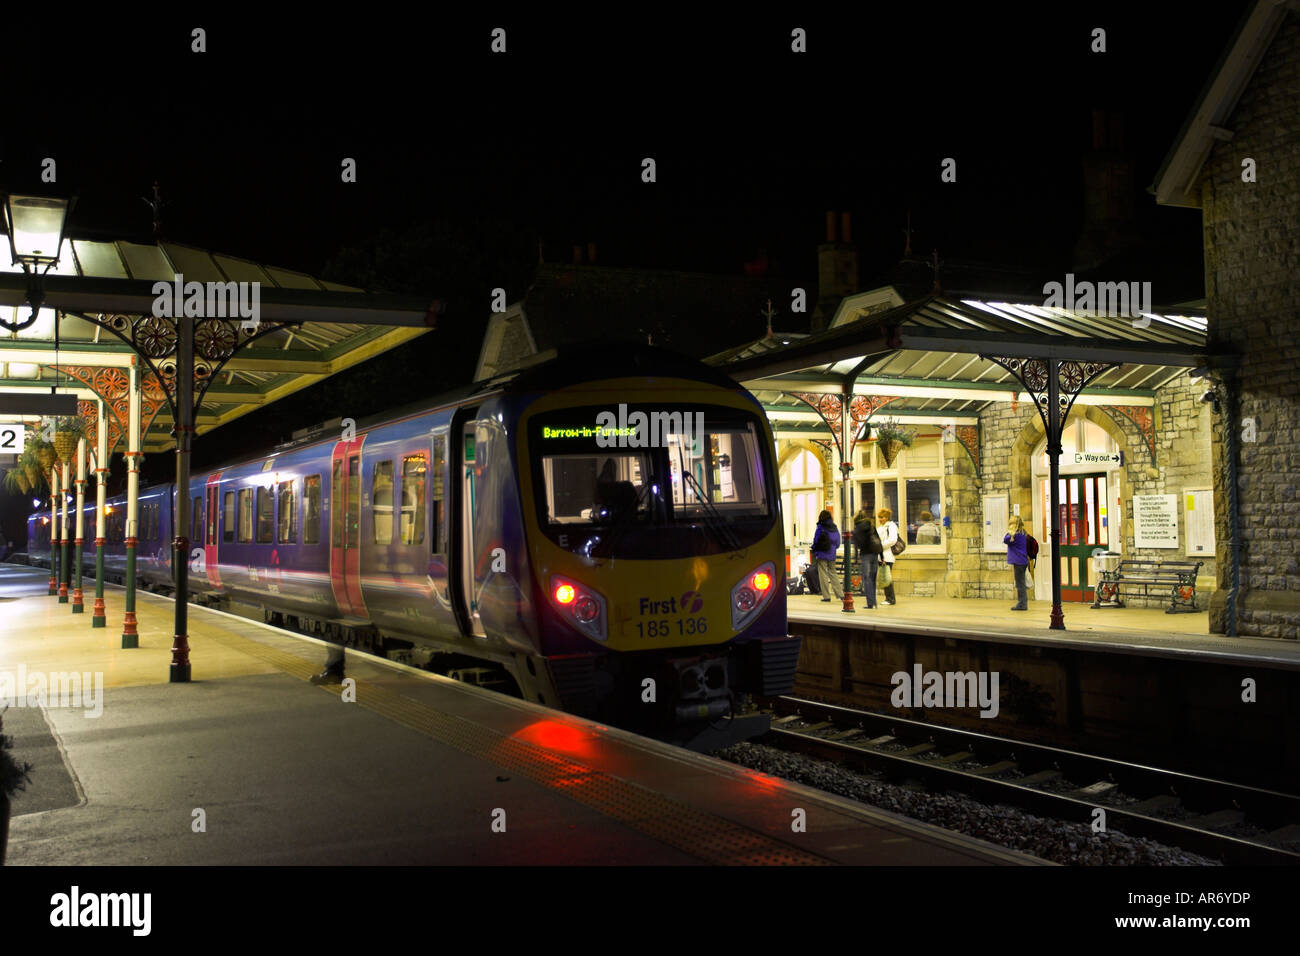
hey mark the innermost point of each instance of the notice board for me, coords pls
(1198, 511)
(995, 522)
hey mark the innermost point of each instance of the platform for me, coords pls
(416, 771)
(1148, 632)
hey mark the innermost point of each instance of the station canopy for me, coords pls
(312, 329)
(933, 357)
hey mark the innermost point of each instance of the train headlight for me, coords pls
(751, 594)
(581, 606)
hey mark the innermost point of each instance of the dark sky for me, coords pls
(753, 142)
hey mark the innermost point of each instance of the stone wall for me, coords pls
(1252, 285)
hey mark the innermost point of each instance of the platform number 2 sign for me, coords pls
(12, 439)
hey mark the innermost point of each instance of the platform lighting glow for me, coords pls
(36, 502)
(108, 509)
(564, 594)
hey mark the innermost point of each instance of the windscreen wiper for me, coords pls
(713, 520)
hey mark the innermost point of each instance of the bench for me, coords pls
(1178, 576)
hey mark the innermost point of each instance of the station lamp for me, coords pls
(35, 225)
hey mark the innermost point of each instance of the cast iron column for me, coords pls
(54, 528)
(846, 467)
(180, 666)
(97, 617)
(1054, 422)
(78, 600)
(65, 566)
(130, 636)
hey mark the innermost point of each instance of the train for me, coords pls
(539, 528)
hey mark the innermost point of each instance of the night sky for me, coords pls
(481, 155)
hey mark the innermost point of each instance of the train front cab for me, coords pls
(658, 571)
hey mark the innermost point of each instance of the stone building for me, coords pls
(1237, 159)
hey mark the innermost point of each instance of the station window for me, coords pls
(381, 492)
(415, 471)
(311, 510)
(439, 494)
(287, 526)
(911, 487)
(228, 517)
(245, 515)
(265, 516)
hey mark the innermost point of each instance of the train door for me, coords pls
(470, 467)
(1084, 529)
(212, 511)
(345, 528)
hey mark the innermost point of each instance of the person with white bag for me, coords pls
(888, 532)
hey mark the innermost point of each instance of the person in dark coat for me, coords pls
(826, 542)
(867, 541)
(1018, 558)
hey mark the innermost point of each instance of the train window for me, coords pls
(381, 497)
(265, 516)
(228, 517)
(245, 515)
(336, 505)
(414, 472)
(287, 526)
(198, 520)
(439, 494)
(311, 510)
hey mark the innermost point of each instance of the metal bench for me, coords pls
(1178, 576)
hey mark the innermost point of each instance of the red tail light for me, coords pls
(564, 594)
(761, 581)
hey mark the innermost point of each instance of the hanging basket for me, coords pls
(46, 455)
(65, 445)
(889, 449)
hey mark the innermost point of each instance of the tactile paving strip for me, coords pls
(702, 835)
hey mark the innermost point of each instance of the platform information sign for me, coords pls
(995, 522)
(1155, 521)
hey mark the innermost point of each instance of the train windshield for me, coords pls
(646, 482)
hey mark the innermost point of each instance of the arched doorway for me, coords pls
(1092, 487)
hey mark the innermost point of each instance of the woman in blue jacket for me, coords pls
(826, 542)
(1018, 558)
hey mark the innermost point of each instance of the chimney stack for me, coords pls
(846, 234)
(830, 226)
(591, 252)
(577, 254)
(837, 268)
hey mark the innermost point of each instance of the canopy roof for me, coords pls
(336, 326)
(928, 354)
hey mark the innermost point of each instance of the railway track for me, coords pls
(1237, 824)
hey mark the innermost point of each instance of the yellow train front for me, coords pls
(649, 520)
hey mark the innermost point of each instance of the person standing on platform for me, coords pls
(1018, 558)
(867, 542)
(888, 533)
(826, 542)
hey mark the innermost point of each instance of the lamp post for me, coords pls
(35, 225)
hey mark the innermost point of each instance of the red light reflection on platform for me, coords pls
(559, 736)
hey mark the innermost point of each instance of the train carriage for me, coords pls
(603, 528)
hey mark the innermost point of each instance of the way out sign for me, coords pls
(1105, 462)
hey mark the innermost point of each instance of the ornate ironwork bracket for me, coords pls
(1034, 373)
(154, 338)
(968, 436)
(831, 409)
(1143, 420)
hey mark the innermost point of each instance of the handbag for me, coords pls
(900, 545)
(886, 576)
(1029, 580)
